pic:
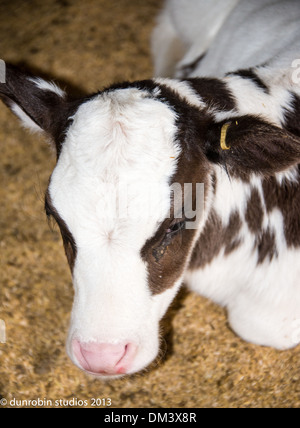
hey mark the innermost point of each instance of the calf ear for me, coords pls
(40, 105)
(249, 144)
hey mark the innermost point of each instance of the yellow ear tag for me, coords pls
(223, 136)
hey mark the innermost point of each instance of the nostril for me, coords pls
(104, 358)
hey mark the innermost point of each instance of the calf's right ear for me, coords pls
(251, 145)
(41, 105)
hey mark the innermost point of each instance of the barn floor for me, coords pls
(88, 45)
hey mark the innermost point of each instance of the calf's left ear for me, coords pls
(249, 144)
(41, 105)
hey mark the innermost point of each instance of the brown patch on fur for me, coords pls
(254, 212)
(214, 183)
(266, 246)
(167, 258)
(214, 93)
(209, 244)
(164, 270)
(231, 240)
(214, 237)
(285, 197)
(265, 243)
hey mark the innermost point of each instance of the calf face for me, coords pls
(101, 189)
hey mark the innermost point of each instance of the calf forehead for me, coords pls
(123, 132)
(119, 151)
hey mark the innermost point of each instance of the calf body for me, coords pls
(121, 151)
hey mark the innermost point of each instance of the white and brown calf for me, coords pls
(238, 134)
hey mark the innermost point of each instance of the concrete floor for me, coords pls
(90, 44)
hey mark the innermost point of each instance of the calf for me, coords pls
(237, 134)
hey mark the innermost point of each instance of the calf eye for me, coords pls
(175, 228)
(170, 233)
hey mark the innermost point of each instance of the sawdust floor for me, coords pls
(90, 44)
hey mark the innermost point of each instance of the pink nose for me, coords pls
(104, 358)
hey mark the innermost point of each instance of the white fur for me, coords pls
(183, 90)
(27, 122)
(271, 106)
(47, 86)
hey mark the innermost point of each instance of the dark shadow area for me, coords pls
(167, 329)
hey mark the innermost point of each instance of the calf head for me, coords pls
(128, 243)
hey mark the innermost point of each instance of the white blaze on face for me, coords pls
(119, 150)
